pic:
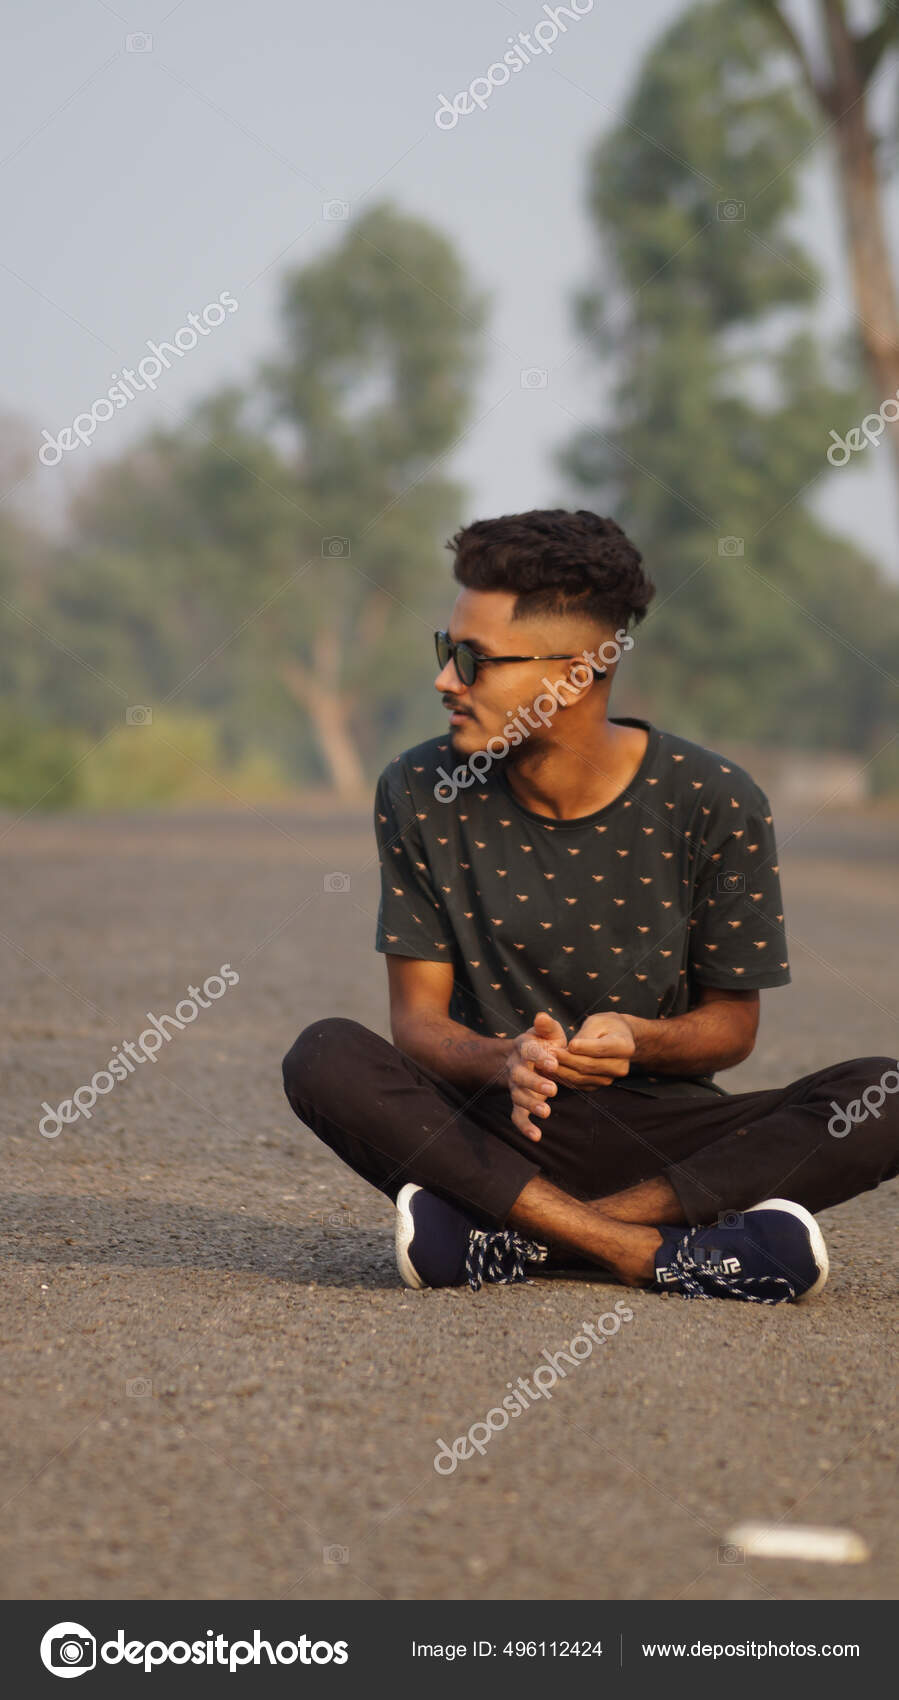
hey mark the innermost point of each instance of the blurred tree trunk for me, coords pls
(318, 690)
(852, 58)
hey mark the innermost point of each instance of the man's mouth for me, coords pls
(457, 714)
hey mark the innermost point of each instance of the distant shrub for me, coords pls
(171, 758)
(154, 761)
(37, 763)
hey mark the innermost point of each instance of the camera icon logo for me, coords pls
(730, 1219)
(140, 1387)
(534, 378)
(730, 883)
(336, 547)
(335, 1555)
(335, 209)
(139, 42)
(731, 1555)
(730, 545)
(139, 715)
(336, 882)
(731, 210)
(68, 1649)
(337, 1219)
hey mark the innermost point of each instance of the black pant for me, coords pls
(392, 1120)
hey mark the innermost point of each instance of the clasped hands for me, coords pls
(542, 1059)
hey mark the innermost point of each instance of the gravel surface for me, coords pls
(213, 1384)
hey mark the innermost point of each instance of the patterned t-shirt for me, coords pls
(672, 885)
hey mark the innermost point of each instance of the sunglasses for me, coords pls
(467, 660)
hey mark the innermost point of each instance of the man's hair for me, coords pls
(556, 562)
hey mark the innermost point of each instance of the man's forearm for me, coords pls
(697, 1043)
(451, 1050)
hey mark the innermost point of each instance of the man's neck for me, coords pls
(565, 780)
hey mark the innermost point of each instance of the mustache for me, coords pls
(455, 707)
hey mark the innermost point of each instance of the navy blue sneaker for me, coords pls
(438, 1246)
(772, 1253)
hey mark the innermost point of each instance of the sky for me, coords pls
(153, 156)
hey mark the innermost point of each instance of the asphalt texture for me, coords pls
(213, 1384)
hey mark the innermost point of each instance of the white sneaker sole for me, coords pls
(816, 1238)
(405, 1232)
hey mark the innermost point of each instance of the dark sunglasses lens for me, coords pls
(466, 666)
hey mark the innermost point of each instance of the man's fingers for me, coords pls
(583, 1082)
(606, 1045)
(530, 1105)
(592, 1064)
(522, 1121)
(522, 1076)
(538, 1053)
(529, 1100)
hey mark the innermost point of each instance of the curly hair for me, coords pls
(556, 562)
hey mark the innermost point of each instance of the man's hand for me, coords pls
(599, 1052)
(529, 1065)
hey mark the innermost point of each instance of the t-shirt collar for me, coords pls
(646, 765)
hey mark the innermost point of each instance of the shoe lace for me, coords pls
(726, 1285)
(501, 1256)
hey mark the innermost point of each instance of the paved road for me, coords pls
(213, 1384)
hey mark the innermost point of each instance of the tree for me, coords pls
(382, 338)
(719, 392)
(838, 73)
(294, 529)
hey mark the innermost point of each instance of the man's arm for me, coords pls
(719, 1033)
(420, 995)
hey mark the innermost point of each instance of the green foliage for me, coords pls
(173, 758)
(266, 577)
(155, 762)
(38, 764)
(276, 557)
(722, 400)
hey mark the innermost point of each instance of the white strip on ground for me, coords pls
(822, 1546)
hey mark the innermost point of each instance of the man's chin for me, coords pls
(464, 739)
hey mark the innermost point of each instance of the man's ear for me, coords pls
(598, 673)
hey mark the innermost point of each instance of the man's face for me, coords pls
(483, 618)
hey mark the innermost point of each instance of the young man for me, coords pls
(578, 915)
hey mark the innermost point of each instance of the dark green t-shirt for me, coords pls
(672, 885)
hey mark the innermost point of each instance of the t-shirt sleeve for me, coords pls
(737, 931)
(412, 921)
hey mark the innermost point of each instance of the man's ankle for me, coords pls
(638, 1269)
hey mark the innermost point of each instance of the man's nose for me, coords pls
(448, 679)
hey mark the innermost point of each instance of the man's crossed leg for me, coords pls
(657, 1191)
